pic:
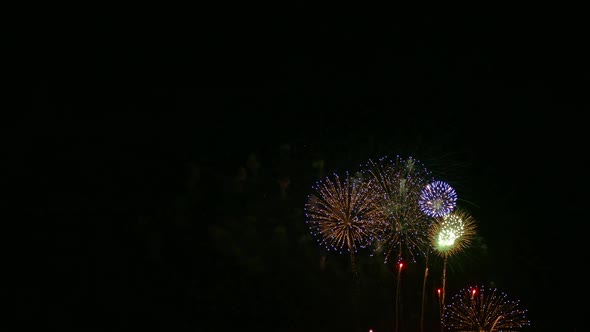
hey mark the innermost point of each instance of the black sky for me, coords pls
(125, 104)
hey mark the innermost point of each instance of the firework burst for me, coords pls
(340, 213)
(437, 199)
(452, 233)
(402, 228)
(484, 309)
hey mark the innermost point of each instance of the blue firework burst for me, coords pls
(437, 199)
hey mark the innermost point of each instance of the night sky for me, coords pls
(158, 141)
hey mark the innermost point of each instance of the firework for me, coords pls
(484, 309)
(402, 228)
(340, 213)
(452, 233)
(437, 199)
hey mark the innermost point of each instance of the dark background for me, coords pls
(158, 140)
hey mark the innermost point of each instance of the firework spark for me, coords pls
(437, 199)
(341, 213)
(402, 227)
(484, 309)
